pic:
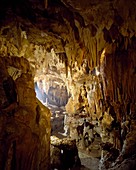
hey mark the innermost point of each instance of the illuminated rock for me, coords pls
(83, 53)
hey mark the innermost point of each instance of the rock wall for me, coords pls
(86, 46)
(25, 122)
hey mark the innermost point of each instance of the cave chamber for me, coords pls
(67, 85)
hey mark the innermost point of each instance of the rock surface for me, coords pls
(87, 48)
(24, 124)
(64, 154)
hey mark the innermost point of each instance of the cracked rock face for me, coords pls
(82, 53)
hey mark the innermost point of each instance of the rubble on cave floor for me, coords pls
(65, 155)
(88, 157)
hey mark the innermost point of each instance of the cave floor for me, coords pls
(89, 162)
(89, 159)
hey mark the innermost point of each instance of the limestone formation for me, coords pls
(25, 139)
(79, 54)
(64, 154)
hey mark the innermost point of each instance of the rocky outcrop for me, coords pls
(64, 154)
(25, 123)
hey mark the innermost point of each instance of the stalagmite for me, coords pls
(80, 56)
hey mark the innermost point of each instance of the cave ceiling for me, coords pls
(64, 38)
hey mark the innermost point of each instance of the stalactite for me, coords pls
(19, 40)
(46, 4)
(71, 70)
(66, 66)
(102, 90)
(93, 51)
(89, 61)
(97, 60)
(118, 94)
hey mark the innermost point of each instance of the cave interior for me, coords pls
(67, 85)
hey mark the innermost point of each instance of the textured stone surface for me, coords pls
(85, 46)
(24, 129)
(64, 154)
